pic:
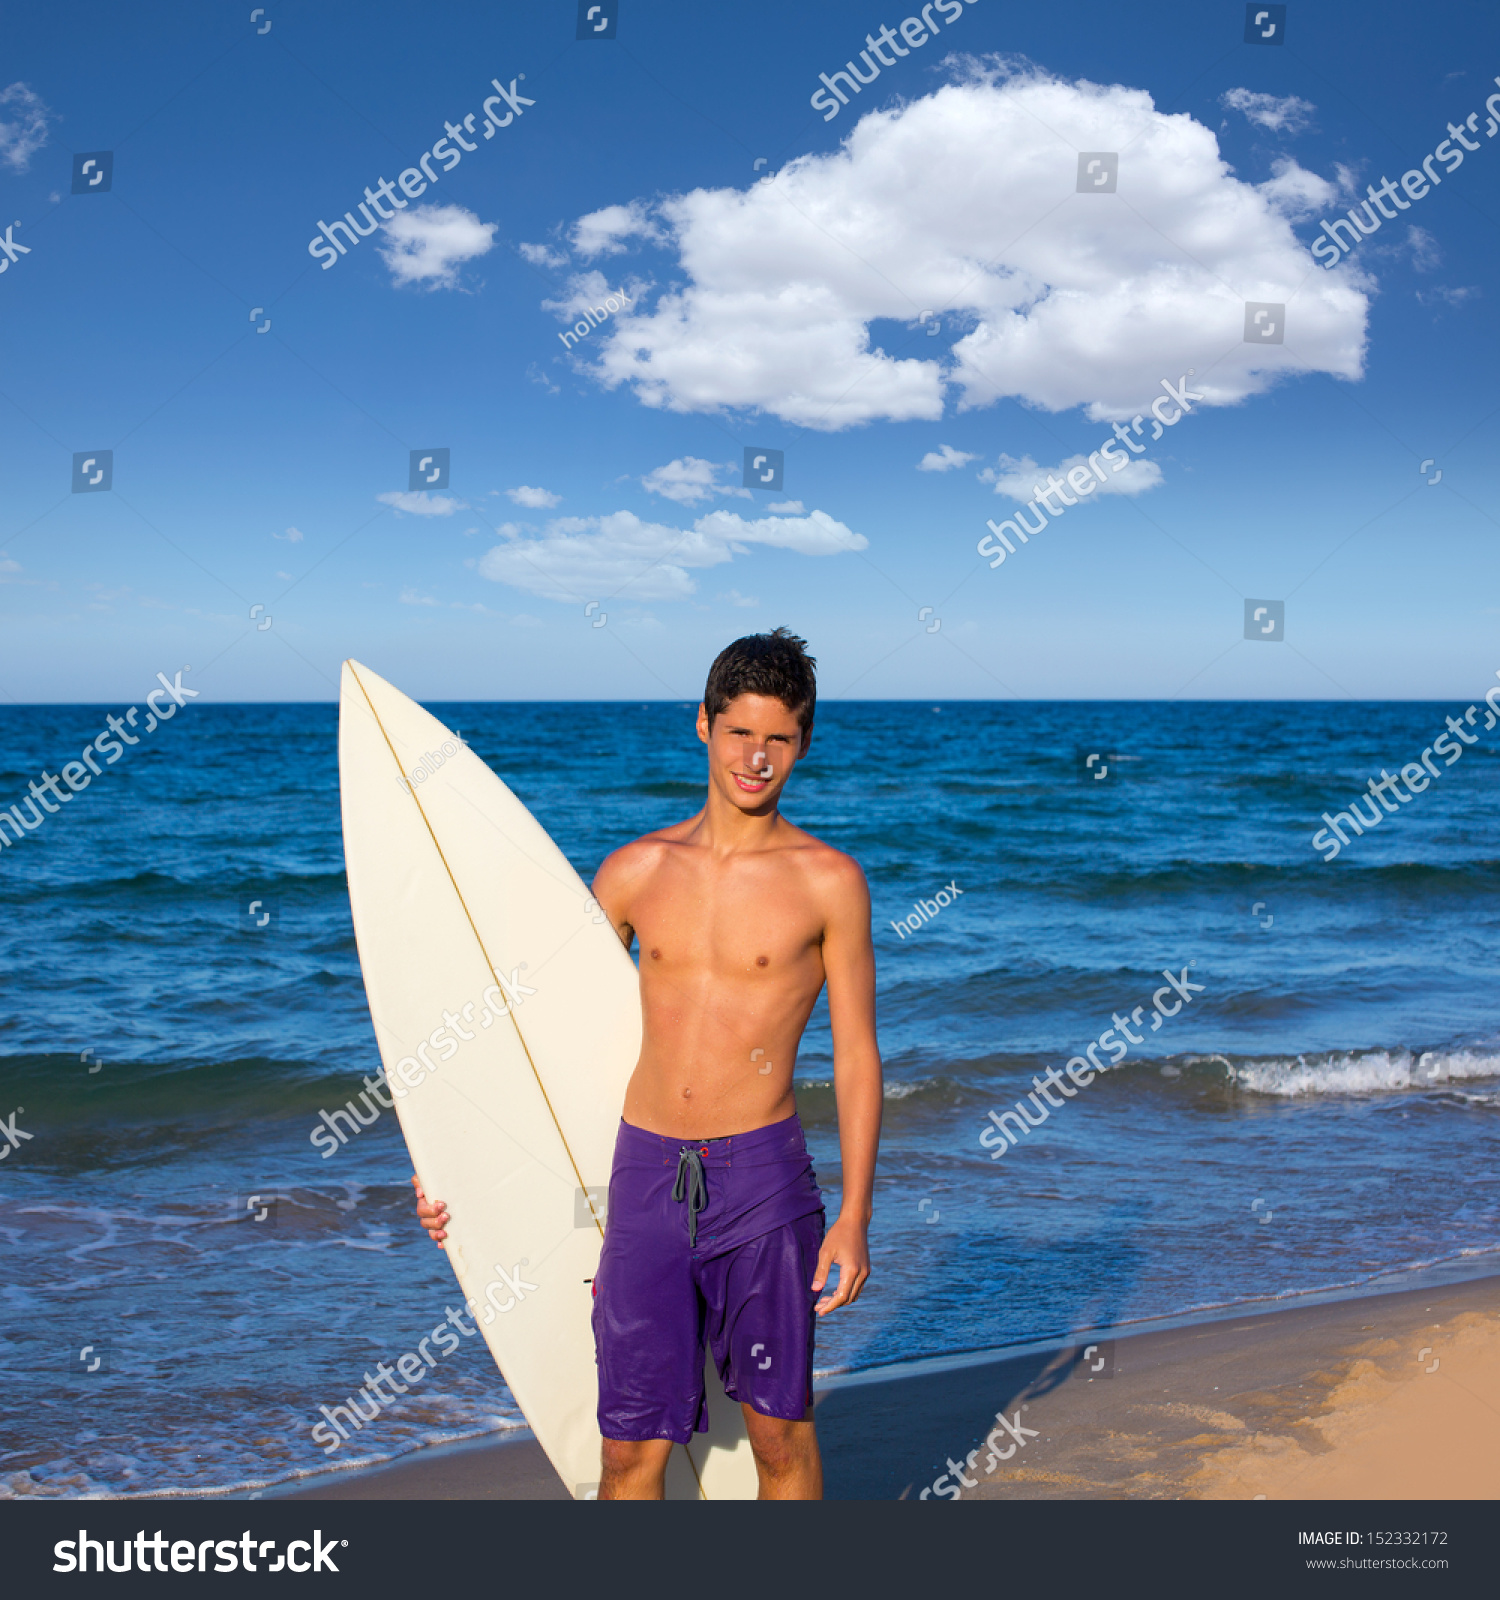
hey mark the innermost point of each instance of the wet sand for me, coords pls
(1336, 1400)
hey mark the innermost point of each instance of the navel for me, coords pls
(687, 1094)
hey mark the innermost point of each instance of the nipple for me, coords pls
(656, 955)
(762, 961)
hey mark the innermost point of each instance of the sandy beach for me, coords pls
(1392, 1396)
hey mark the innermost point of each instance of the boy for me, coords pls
(715, 1222)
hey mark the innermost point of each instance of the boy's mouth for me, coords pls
(750, 783)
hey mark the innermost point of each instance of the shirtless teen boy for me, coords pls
(715, 1222)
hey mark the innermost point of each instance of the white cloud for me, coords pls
(420, 502)
(25, 132)
(1294, 191)
(535, 499)
(944, 459)
(735, 598)
(292, 536)
(1289, 115)
(601, 232)
(1020, 479)
(284, 575)
(7, 565)
(427, 244)
(588, 291)
(410, 597)
(540, 256)
(690, 479)
(783, 507)
(585, 557)
(967, 199)
(1425, 251)
(1448, 297)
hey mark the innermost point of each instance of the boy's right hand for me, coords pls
(432, 1214)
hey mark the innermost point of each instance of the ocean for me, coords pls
(188, 1278)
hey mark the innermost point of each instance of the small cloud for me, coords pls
(592, 291)
(24, 132)
(785, 507)
(944, 459)
(735, 598)
(690, 479)
(1294, 191)
(410, 597)
(1441, 294)
(7, 565)
(1425, 254)
(292, 536)
(534, 499)
(578, 557)
(420, 502)
(427, 245)
(284, 575)
(540, 256)
(1289, 115)
(600, 232)
(536, 375)
(1020, 480)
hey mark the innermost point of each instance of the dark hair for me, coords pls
(775, 664)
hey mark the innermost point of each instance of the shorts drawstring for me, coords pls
(689, 1161)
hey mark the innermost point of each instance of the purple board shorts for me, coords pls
(729, 1262)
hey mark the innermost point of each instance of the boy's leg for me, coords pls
(634, 1469)
(786, 1456)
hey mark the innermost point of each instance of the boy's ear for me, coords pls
(806, 741)
(703, 728)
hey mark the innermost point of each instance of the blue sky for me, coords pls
(776, 305)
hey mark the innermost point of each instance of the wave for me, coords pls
(1357, 1072)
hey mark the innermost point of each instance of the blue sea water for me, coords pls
(1322, 1111)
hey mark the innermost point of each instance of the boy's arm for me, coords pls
(612, 884)
(849, 968)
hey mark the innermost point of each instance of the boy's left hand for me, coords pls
(844, 1247)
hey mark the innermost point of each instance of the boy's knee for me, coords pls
(780, 1445)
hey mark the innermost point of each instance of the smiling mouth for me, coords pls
(750, 783)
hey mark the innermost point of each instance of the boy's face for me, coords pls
(754, 744)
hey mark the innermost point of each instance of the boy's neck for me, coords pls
(724, 826)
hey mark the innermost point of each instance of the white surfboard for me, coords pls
(470, 922)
